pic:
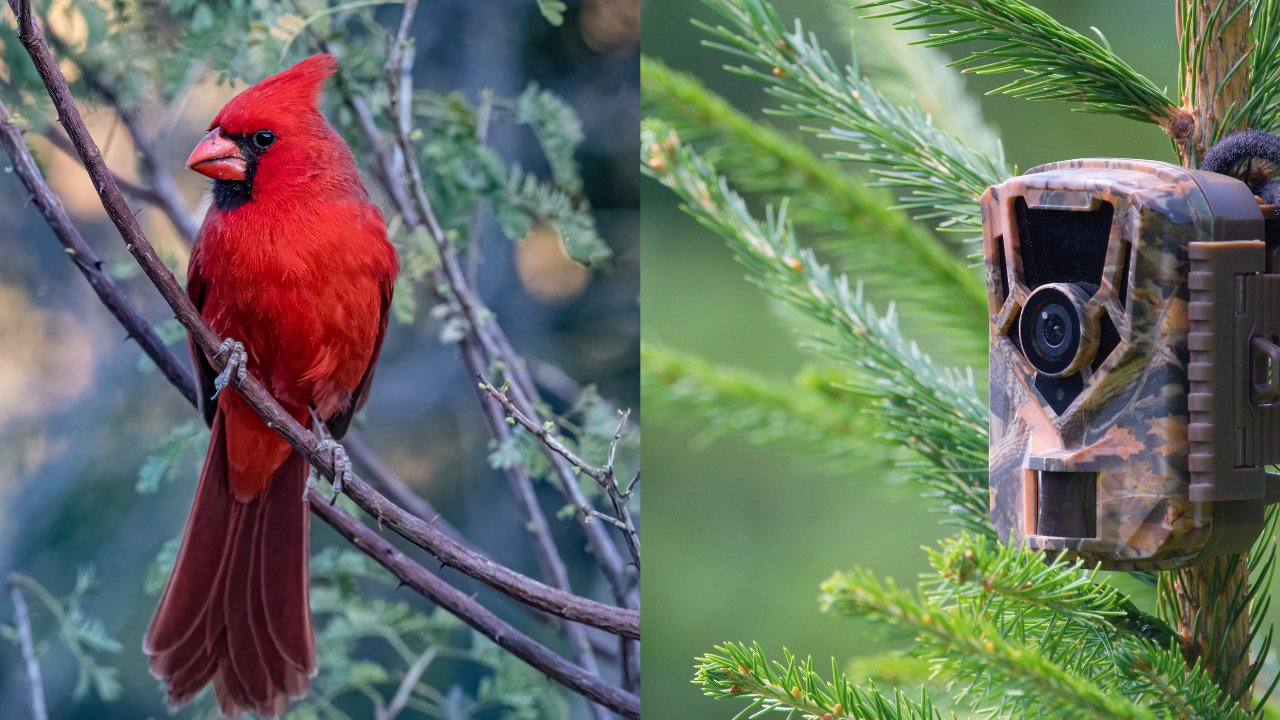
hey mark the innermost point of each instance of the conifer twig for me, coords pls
(31, 664)
(934, 411)
(739, 671)
(1051, 61)
(758, 158)
(942, 176)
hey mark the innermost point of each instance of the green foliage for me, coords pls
(83, 635)
(347, 599)
(1051, 61)
(931, 410)
(792, 686)
(464, 171)
(166, 459)
(558, 130)
(943, 176)
(806, 414)
(553, 11)
(1004, 633)
(891, 255)
(1022, 638)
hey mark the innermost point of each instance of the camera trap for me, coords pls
(1135, 370)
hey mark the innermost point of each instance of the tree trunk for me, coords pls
(1210, 611)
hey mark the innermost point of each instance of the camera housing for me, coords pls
(1135, 365)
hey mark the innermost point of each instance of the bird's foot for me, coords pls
(237, 364)
(341, 465)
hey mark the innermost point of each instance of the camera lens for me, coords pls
(1056, 333)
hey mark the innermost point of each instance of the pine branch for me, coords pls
(736, 671)
(807, 414)
(942, 177)
(1009, 579)
(1262, 109)
(909, 73)
(1010, 672)
(933, 411)
(889, 252)
(1084, 628)
(1052, 61)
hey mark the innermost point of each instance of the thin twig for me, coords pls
(449, 278)
(540, 431)
(87, 262)
(405, 690)
(602, 475)
(399, 76)
(549, 560)
(35, 683)
(618, 620)
(166, 194)
(471, 612)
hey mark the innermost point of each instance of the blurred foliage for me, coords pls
(1004, 634)
(84, 635)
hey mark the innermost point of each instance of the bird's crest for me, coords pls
(294, 90)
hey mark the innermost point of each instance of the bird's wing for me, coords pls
(340, 421)
(374, 230)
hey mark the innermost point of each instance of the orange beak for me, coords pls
(218, 157)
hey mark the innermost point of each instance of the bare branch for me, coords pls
(450, 279)
(87, 262)
(471, 612)
(602, 475)
(35, 683)
(387, 481)
(167, 197)
(540, 431)
(620, 621)
(405, 690)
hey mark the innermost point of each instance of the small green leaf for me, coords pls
(553, 11)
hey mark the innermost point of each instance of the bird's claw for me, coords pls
(341, 465)
(237, 364)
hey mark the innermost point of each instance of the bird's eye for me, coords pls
(263, 139)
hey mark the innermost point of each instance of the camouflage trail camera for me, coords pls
(1135, 371)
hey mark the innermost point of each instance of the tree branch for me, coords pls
(87, 262)
(399, 76)
(617, 620)
(472, 613)
(35, 683)
(450, 281)
(602, 475)
(1211, 599)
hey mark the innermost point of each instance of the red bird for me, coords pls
(293, 267)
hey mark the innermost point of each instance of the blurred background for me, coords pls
(741, 535)
(81, 413)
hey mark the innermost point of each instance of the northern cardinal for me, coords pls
(293, 267)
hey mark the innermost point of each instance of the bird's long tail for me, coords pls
(236, 608)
